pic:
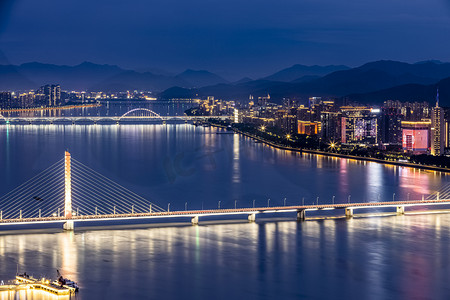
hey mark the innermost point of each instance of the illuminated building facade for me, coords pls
(309, 128)
(359, 125)
(437, 129)
(416, 136)
(50, 95)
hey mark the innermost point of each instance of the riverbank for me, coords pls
(49, 108)
(332, 154)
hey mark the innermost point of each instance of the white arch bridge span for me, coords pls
(140, 115)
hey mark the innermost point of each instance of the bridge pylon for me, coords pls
(67, 192)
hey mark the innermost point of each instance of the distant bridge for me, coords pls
(69, 192)
(134, 115)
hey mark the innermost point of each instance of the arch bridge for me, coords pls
(140, 113)
(136, 114)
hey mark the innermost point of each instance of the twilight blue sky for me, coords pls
(234, 38)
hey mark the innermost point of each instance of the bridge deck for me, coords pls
(223, 212)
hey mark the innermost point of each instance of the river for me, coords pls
(388, 257)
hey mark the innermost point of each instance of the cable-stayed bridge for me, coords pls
(69, 191)
(134, 115)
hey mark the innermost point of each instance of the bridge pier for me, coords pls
(194, 220)
(301, 215)
(68, 226)
(349, 212)
(252, 217)
(400, 210)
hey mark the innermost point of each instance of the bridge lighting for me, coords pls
(288, 136)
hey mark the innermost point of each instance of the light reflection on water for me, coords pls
(183, 163)
(386, 257)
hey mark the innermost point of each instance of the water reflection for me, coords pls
(374, 257)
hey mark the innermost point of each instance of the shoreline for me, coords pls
(49, 108)
(338, 155)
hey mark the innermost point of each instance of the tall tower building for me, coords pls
(437, 129)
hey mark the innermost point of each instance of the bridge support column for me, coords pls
(252, 217)
(68, 187)
(301, 215)
(68, 226)
(194, 220)
(349, 212)
(400, 210)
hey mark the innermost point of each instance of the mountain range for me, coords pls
(94, 77)
(372, 82)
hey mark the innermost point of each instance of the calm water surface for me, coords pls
(372, 258)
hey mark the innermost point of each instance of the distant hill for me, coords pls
(138, 81)
(200, 78)
(93, 77)
(368, 78)
(298, 71)
(408, 92)
(374, 81)
(11, 79)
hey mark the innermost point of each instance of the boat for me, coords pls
(65, 282)
(62, 286)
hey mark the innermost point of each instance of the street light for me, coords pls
(317, 200)
(219, 204)
(268, 202)
(253, 203)
(393, 197)
(168, 207)
(235, 203)
(333, 200)
(185, 206)
(349, 198)
(284, 201)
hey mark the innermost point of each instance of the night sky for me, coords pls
(233, 38)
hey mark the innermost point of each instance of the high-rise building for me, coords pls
(331, 126)
(359, 125)
(5, 100)
(50, 95)
(437, 129)
(391, 131)
(415, 136)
